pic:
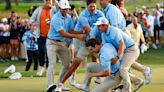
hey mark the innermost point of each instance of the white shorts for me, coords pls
(150, 33)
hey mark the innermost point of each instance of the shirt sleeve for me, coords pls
(93, 32)
(71, 23)
(82, 21)
(117, 36)
(58, 25)
(112, 18)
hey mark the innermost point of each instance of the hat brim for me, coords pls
(65, 7)
(97, 24)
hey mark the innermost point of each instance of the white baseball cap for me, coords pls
(15, 76)
(101, 20)
(143, 7)
(64, 4)
(10, 69)
(4, 20)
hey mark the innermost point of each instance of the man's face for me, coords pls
(94, 49)
(102, 28)
(92, 7)
(103, 3)
(135, 21)
(48, 3)
(64, 11)
(13, 15)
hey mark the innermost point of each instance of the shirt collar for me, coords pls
(106, 8)
(90, 13)
(108, 30)
(60, 15)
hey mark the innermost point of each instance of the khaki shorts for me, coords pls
(80, 49)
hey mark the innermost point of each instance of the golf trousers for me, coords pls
(129, 57)
(110, 81)
(56, 49)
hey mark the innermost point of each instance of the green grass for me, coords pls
(31, 83)
(152, 58)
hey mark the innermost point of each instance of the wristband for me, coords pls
(118, 57)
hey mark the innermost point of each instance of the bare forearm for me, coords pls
(121, 49)
(69, 35)
(75, 32)
(101, 74)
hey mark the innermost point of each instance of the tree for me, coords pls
(16, 2)
(8, 5)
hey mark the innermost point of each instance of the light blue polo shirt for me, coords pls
(95, 33)
(113, 35)
(87, 19)
(114, 16)
(57, 23)
(106, 53)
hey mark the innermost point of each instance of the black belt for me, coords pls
(55, 40)
(115, 72)
(131, 45)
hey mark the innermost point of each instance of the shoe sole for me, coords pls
(52, 88)
(97, 82)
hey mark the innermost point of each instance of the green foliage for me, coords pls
(23, 7)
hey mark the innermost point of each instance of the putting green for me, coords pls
(38, 84)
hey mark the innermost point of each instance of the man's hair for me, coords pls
(90, 1)
(114, 2)
(12, 11)
(92, 42)
(72, 6)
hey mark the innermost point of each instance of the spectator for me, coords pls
(150, 33)
(135, 12)
(13, 16)
(156, 27)
(129, 19)
(120, 6)
(161, 28)
(25, 28)
(30, 39)
(14, 39)
(142, 21)
(31, 10)
(158, 9)
(5, 39)
(42, 15)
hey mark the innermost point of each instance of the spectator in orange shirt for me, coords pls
(42, 15)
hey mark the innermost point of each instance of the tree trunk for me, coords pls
(8, 5)
(16, 2)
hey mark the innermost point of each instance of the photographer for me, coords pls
(30, 39)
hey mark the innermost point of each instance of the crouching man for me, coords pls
(103, 69)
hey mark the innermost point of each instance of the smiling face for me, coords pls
(92, 7)
(64, 11)
(102, 28)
